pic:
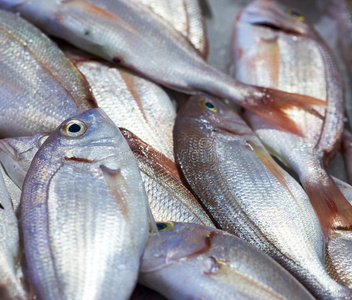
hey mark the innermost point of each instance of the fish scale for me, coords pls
(248, 194)
(84, 216)
(134, 103)
(189, 261)
(39, 86)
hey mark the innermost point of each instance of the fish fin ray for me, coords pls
(272, 104)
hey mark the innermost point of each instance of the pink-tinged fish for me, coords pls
(189, 261)
(131, 35)
(272, 51)
(84, 212)
(248, 194)
(39, 86)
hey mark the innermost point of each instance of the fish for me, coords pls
(189, 261)
(168, 198)
(39, 86)
(186, 17)
(248, 194)
(134, 103)
(16, 155)
(84, 212)
(338, 253)
(10, 270)
(295, 59)
(114, 30)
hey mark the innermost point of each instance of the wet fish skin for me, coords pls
(134, 103)
(186, 17)
(212, 265)
(168, 198)
(84, 215)
(236, 180)
(10, 271)
(339, 245)
(115, 32)
(279, 59)
(16, 155)
(39, 86)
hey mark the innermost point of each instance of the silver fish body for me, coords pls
(338, 248)
(248, 195)
(168, 198)
(39, 86)
(133, 103)
(185, 16)
(10, 271)
(188, 261)
(114, 30)
(84, 215)
(271, 52)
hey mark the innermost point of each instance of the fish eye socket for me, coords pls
(208, 105)
(165, 226)
(74, 128)
(296, 14)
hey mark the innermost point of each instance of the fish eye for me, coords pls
(296, 14)
(73, 128)
(165, 226)
(208, 105)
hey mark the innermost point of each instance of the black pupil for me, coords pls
(161, 226)
(209, 105)
(74, 128)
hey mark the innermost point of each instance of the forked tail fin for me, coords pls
(333, 210)
(274, 106)
(346, 150)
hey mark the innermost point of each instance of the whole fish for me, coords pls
(10, 271)
(248, 194)
(272, 51)
(134, 103)
(115, 30)
(168, 198)
(39, 86)
(338, 249)
(189, 261)
(84, 212)
(185, 16)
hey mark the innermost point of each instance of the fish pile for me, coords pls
(132, 168)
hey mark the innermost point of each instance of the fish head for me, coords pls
(16, 155)
(176, 242)
(274, 17)
(213, 115)
(87, 138)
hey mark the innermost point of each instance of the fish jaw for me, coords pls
(94, 254)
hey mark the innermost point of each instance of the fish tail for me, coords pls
(346, 150)
(331, 207)
(273, 104)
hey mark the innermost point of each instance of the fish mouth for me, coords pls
(275, 27)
